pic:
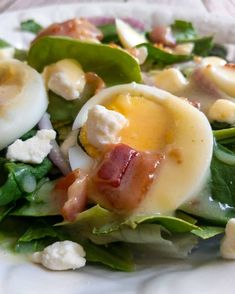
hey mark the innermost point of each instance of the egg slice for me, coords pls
(23, 100)
(159, 121)
(127, 35)
(222, 76)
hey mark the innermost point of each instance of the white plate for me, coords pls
(204, 271)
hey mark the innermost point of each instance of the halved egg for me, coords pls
(161, 122)
(23, 100)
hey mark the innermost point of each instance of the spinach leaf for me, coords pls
(183, 31)
(223, 182)
(16, 175)
(113, 65)
(162, 58)
(30, 26)
(219, 50)
(44, 201)
(203, 46)
(109, 33)
(4, 44)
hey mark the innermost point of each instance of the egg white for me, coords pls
(23, 100)
(175, 183)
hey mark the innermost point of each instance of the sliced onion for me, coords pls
(55, 154)
(100, 20)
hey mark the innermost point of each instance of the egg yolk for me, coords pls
(150, 124)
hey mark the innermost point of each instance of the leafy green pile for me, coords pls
(29, 206)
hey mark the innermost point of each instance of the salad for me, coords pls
(115, 143)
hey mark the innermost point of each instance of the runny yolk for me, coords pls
(150, 123)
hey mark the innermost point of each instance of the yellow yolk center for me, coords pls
(150, 124)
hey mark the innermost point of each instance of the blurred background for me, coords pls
(218, 6)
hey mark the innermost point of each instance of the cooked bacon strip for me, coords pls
(163, 35)
(123, 178)
(80, 29)
(74, 186)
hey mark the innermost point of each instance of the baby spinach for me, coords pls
(184, 31)
(113, 65)
(15, 173)
(162, 58)
(109, 33)
(30, 25)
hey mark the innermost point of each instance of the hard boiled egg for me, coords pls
(23, 100)
(159, 121)
(223, 77)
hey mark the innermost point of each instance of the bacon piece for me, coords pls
(123, 178)
(94, 82)
(80, 29)
(163, 35)
(74, 186)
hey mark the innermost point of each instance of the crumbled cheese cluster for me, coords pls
(33, 150)
(59, 256)
(103, 126)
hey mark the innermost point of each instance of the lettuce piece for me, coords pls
(116, 256)
(113, 65)
(203, 46)
(30, 25)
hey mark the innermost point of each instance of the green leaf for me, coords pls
(228, 133)
(115, 256)
(44, 201)
(208, 209)
(203, 46)
(219, 50)
(109, 33)
(161, 57)
(20, 54)
(207, 232)
(38, 236)
(15, 175)
(30, 26)
(223, 182)
(4, 44)
(113, 65)
(183, 31)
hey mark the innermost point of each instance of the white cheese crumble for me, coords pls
(223, 111)
(33, 150)
(65, 78)
(62, 86)
(7, 52)
(227, 248)
(103, 126)
(59, 256)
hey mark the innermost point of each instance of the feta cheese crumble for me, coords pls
(62, 255)
(33, 150)
(103, 126)
(65, 78)
(223, 111)
(227, 247)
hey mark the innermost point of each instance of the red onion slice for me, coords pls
(101, 20)
(55, 154)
